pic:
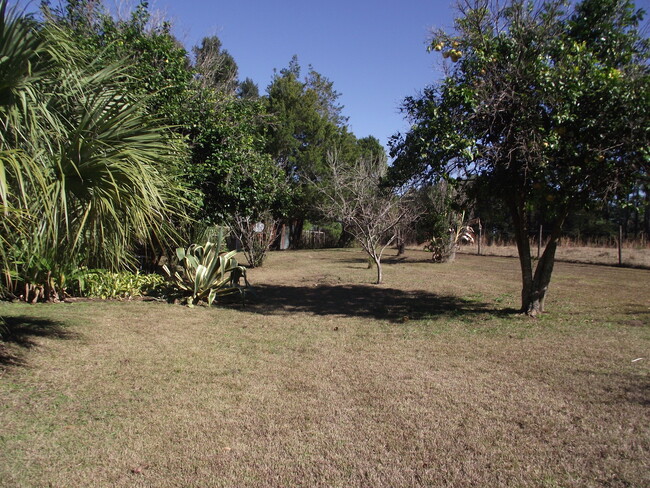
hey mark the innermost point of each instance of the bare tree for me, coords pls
(216, 66)
(369, 212)
(256, 236)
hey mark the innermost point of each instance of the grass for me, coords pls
(326, 380)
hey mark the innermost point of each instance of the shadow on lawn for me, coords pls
(364, 301)
(18, 333)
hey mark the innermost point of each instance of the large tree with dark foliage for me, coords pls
(545, 106)
(308, 124)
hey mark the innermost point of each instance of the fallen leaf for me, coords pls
(139, 469)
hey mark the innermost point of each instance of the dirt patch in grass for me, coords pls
(326, 380)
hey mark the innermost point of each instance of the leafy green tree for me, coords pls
(370, 147)
(308, 123)
(248, 89)
(228, 163)
(159, 65)
(327, 105)
(538, 107)
(227, 132)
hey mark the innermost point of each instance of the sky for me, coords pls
(373, 51)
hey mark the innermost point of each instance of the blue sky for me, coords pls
(373, 51)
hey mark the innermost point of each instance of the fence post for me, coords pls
(480, 228)
(620, 245)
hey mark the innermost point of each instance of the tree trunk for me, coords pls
(379, 273)
(451, 251)
(401, 245)
(401, 248)
(535, 287)
(646, 214)
(295, 237)
(345, 239)
(541, 280)
(520, 220)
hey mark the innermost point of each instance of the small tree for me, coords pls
(369, 212)
(445, 245)
(255, 234)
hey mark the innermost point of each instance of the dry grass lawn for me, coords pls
(326, 380)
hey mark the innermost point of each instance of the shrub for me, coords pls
(100, 283)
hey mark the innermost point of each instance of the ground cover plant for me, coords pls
(325, 379)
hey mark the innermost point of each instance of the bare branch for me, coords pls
(371, 213)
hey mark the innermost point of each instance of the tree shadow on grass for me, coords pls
(17, 335)
(364, 301)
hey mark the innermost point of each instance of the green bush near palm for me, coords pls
(104, 284)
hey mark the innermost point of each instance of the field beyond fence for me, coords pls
(324, 379)
(633, 253)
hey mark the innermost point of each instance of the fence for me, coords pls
(607, 250)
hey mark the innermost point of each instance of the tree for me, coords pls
(305, 128)
(256, 235)
(228, 163)
(159, 66)
(349, 148)
(248, 89)
(215, 66)
(370, 212)
(328, 106)
(546, 109)
(443, 220)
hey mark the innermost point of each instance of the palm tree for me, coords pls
(85, 172)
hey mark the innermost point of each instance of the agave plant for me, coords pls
(206, 272)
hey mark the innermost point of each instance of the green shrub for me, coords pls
(100, 283)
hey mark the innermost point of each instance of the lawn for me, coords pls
(324, 379)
